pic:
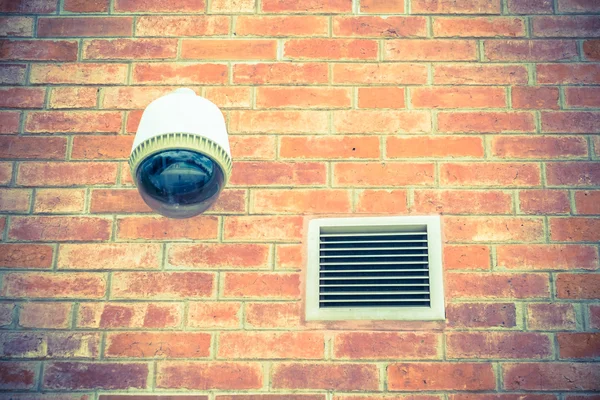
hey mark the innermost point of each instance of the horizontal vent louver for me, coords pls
(374, 269)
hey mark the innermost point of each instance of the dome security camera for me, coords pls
(181, 160)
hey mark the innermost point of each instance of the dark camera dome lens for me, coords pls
(179, 183)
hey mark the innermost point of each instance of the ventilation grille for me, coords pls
(374, 269)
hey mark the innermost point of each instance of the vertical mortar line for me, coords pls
(330, 26)
(267, 372)
(521, 315)
(163, 258)
(581, 316)
(382, 376)
(40, 374)
(553, 338)
(497, 366)
(102, 353)
(410, 198)
(480, 51)
(562, 102)
(280, 47)
(355, 7)
(407, 7)
(509, 103)
(354, 99)
(493, 257)
(504, 7)
(429, 26)
(531, 74)
(69, 148)
(555, 7)
(517, 201)
(580, 51)
(56, 250)
(572, 204)
(74, 314)
(152, 374)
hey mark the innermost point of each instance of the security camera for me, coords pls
(181, 160)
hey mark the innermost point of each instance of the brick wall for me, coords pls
(484, 111)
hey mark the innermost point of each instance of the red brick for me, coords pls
(18, 375)
(117, 201)
(587, 202)
(6, 314)
(271, 397)
(85, 27)
(261, 285)
(179, 74)
(6, 172)
(539, 147)
(129, 315)
(381, 97)
(380, 73)
(530, 97)
(338, 377)
(208, 375)
(73, 121)
(379, 121)
(530, 50)
(28, 7)
(578, 286)
(430, 50)
(267, 173)
(571, 122)
(465, 74)
(490, 174)
(217, 256)
(86, 6)
(15, 200)
(287, 201)
(462, 202)
(441, 376)
(566, 26)
(547, 317)
(582, 97)
(498, 286)
(282, 26)
(214, 315)
(167, 26)
(162, 285)
(385, 345)
(331, 49)
(493, 229)
(271, 345)
(329, 147)
(10, 122)
(481, 315)
(466, 257)
(579, 6)
(280, 73)
(381, 201)
(101, 147)
(73, 97)
(289, 256)
(129, 49)
(12, 74)
(160, 228)
(160, 6)
(158, 345)
(307, 6)
(547, 257)
(382, 7)
(226, 49)
(273, 315)
(105, 376)
(235, 6)
(458, 97)
(66, 174)
(551, 376)
(578, 345)
(109, 256)
(565, 74)
(45, 315)
(485, 122)
(263, 228)
(498, 345)
(591, 49)
(38, 50)
(231, 201)
(380, 26)
(229, 97)
(530, 6)
(594, 313)
(21, 256)
(478, 27)
(596, 142)
(59, 229)
(501, 396)
(434, 147)
(382, 174)
(22, 97)
(70, 285)
(573, 174)
(575, 229)
(298, 97)
(278, 122)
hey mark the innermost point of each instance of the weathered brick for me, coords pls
(582, 97)
(587, 202)
(565, 74)
(129, 315)
(226, 49)
(539, 147)
(329, 147)
(22, 97)
(73, 121)
(66, 174)
(307, 6)
(12, 74)
(380, 26)
(15, 200)
(85, 27)
(478, 27)
(502, 396)
(591, 49)
(481, 315)
(273, 315)
(117, 201)
(377, 121)
(530, 6)
(127, 98)
(6, 314)
(10, 122)
(267, 173)
(105, 376)
(45, 315)
(385, 345)
(73, 97)
(26, 256)
(386, 174)
(471, 74)
(160, 228)
(434, 147)
(38, 50)
(55, 285)
(594, 313)
(490, 174)
(497, 286)
(578, 286)
(253, 147)
(179, 73)
(551, 316)
(389, 201)
(306, 201)
(107, 256)
(16, 375)
(532, 97)
(572, 174)
(485, 122)
(167, 26)
(382, 7)
(50, 345)
(271, 345)
(280, 73)
(430, 50)
(551, 376)
(462, 202)
(217, 256)
(33, 7)
(299, 97)
(109, 147)
(162, 285)
(380, 73)
(493, 229)
(498, 345)
(160, 6)
(85, 6)
(129, 49)
(261, 285)
(571, 122)
(271, 397)
(232, 6)
(547, 257)
(578, 6)
(330, 49)
(566, 26)
(214, 315)
(278, 122)
(577, 229)
(289, 256)
(441, 376)
(59, 201)
(530, 50)
(6, 172)
(59, 229)
(338, 377)
(467, 257)
(578, 345)
(208, 375)
(458, 97)
(158, 345)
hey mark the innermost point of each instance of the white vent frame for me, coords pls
(435, 312)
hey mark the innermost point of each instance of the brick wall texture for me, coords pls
(486, 112)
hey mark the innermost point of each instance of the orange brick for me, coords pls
(380, 26)
(377, 121)
(160, 228)
(388, 73)
(381, 201)
(497, 285)
(465, 74)
(481, 315)
(229, 97)
(547, 317)
(73, 121)
(321, 147)
(15, 200)
(330, 49)
(441, 376)
(289, 256)
(72, 376)
(230, 201)
(578, 345)
(587, 202)
(45, 315)
(21, 256)
(466, 257)
(117, 201)
(430, 50)
(179, 74)
(485, 122)
(267, 228)
(387, 174)
(280, 73)
(84, 285)
(167, 26)
(73, 97)
(271, 345)
(129, 315)
(434, 147)
(577, 229)
(219, 256)
(278, 122)
(283, 26)
(544, 201)
(530, 50)
(85, 6)
(82, 27)
(57, 201)
(304, 201)
(261, 285)
(159, 6)
(528, 97)
(22, 97)
(307, 6)
(6, 172)
(273, 315)
(253, 147)
(565, 74)
(10, 122)
(158, 345)
(582, 97)
(333, 377)
(110, 147)
(278, 173)
(232, 6)
(38, 50)
(12, 74)
(127, 98)
(59, 229)
(462, 202)
(214, 315)
(493, 229)
(162, 285)
(129, 49)
(192, 49)
(209, 375)
(551, 376)
(478, 27)
(66, 174)
(591, 49)
(530, 6)
(385, 345)
(109, 256)
(571, 122)
(572, 174)
(381, 97)
(490, 174)
(577, 286)
(539, 147)
(454, 7)
(458, 97)
(382, 6)
(494, 345)
(298, 97)
(16, 26)
(566, 26)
